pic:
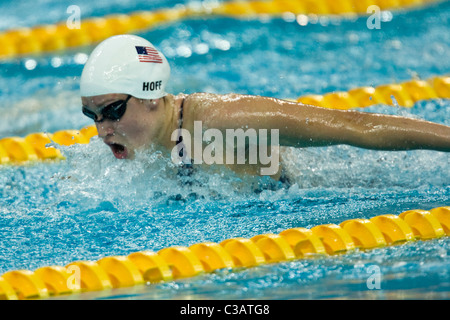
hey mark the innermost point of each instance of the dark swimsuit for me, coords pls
(180, 137)
(186, 168)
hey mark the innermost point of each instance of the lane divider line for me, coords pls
(177, 262)
(58, 37)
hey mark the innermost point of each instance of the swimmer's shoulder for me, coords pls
(190, 101)
(205, 98)
(211, 106)
(196, 106)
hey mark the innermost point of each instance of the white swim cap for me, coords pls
(125, 64)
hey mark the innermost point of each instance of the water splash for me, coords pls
(92, 173)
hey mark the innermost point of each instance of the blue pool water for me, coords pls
(92, 205)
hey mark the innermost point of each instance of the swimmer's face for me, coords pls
(136, 129)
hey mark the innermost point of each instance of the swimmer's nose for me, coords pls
(105, 128)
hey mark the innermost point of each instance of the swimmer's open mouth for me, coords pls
(119, 151)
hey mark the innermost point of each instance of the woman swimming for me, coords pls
(123, 90)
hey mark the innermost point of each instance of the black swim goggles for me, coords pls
(113, 111)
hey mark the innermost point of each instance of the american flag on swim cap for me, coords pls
(148, 54)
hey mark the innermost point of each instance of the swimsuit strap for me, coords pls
(179, 142)
(180, 123)
(180, 120)
(186, 168)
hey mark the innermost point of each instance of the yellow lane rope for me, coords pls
(176, 262)
(22, 150)
(50, 38)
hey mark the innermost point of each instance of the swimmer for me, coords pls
(123, 90)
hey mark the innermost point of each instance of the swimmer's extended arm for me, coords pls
(304, 126)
